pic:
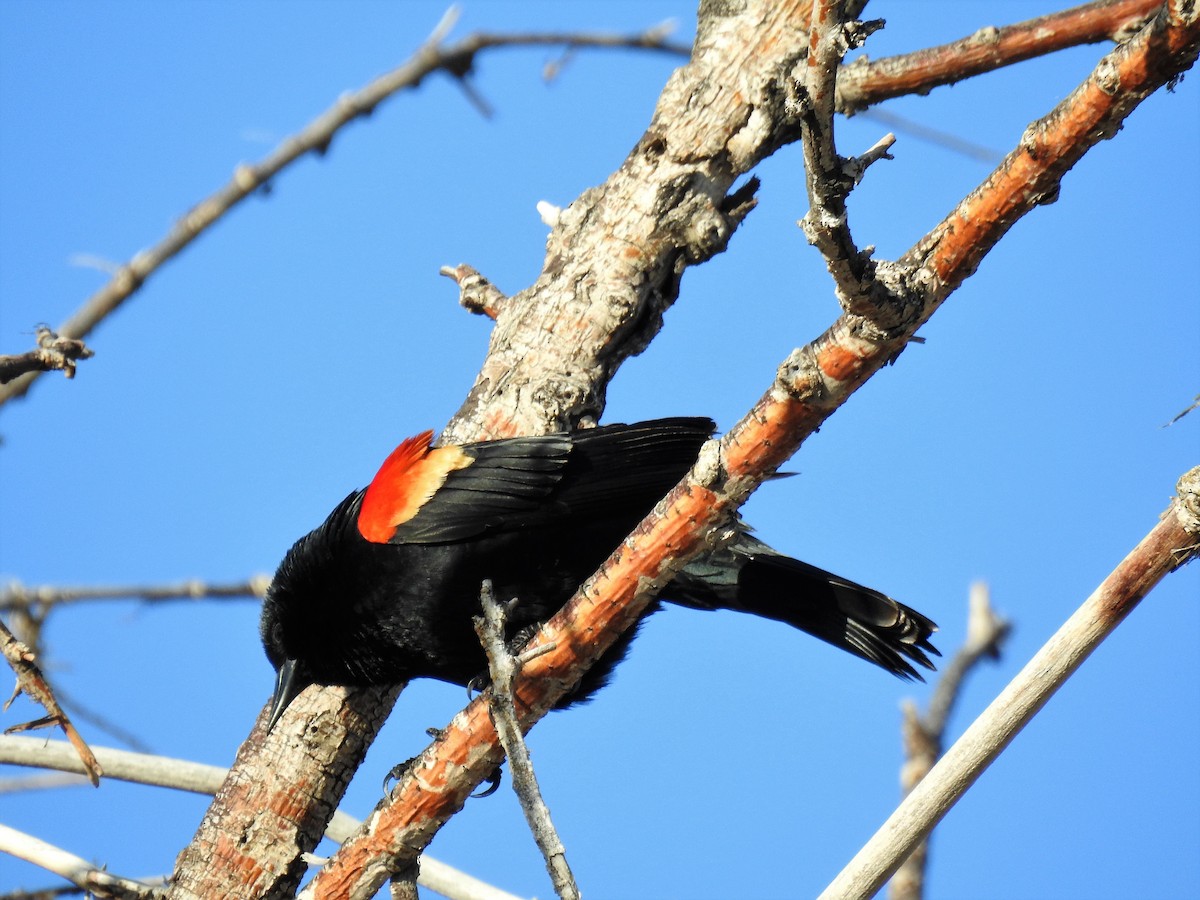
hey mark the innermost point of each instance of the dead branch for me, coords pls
(924, 736)
(52, 353)
(33, 684)
(503, 668)
(39, 599)
(828, 177)
(1170, 544)
(29, 783)
(75, 869)
(123, 765)
(1195, 404)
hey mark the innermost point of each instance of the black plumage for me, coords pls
(536, 515)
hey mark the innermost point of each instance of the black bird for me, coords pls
(385, 589)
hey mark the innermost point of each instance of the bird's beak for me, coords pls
(287, 687)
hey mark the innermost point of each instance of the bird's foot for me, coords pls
(493, 783)
(394, 774)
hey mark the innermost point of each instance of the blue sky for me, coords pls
(267, 371)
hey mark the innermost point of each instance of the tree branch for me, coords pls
(503, 668)
(828, 177)
(864, 83)
(74, 868)
(1159, 53)
(16, 597)
(52, 353)
(434, 55)
(33, 684)
(1170, 544)
(475, 293)
(924, 736)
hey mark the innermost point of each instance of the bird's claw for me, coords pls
(478, 685)
(394, 774)
(493, 783)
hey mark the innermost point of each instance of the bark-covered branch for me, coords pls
(1170, 544)
(864, 83)
(829, 178)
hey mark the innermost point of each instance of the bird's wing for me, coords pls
(425, 495)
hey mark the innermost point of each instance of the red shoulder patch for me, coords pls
(405, 482)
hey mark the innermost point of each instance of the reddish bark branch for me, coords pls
(1165, 48)
(865, 83)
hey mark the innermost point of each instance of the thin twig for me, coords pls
(924, 736)
(66, 890)
(33, 684)
(75, 869)
(503, 669)
(938, 137)
(1170, 544)
(83, 712)
(16, 596)
(52, 353)
(1195, 404)
(45, 782)
(456, 59)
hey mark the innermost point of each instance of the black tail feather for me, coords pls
(750, 577)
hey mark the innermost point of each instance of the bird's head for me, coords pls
(292, 674)
(299, 633)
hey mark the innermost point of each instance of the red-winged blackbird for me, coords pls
(385, 589)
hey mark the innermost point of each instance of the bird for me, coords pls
(385, 589)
